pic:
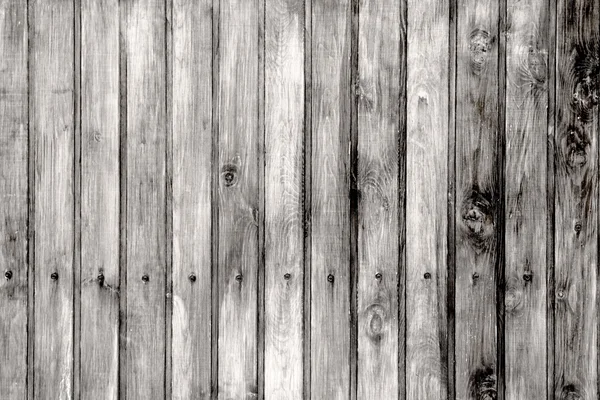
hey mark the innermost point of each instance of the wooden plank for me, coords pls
(14, 188)
(526, 199)
(330, 213)
(146, 213)
(576, 199)
(478, 199)
(99, 199)
(426, 201)
(238, 199)
(284, 141)
(52, 130)
(377, 182)
(192, 149)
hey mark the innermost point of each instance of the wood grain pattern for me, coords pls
(14, 207)
(238, 199)
(330, 213)
(52, 129)
(146, 212)
(284, 142)
(377, 182)
(576, 199)
(192, 149)
(426, 203)
(526, 200)
(99, 199)
(478, 198)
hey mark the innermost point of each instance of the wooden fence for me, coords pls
(286, 199)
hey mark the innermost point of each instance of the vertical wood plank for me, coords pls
(99, 199)
(146, 213)
(426, 201)
(478, 198)
(192, 149)
(238, 199)
(284, 141)
(526, 200)
(330, 225)
(377, 181)
(14, 188)
(52, 129)
(576, 199)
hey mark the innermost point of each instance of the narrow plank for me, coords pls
(238, 199)
(284, 141)
(478, 199)
(192, 149)
(526, 203)
(14, 188)
(426, 202)
(576, 199)
(146, 213)
(377, 182)
(99, 199)
(52, 129)
(330, 213)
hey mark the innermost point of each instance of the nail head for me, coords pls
(330, 278)
(378, 275)
(560, 293)
(192, 278)
(101, 279)
(8, 275)
(54, 276)
(475, 275)
(427, 275)
(238, 277)
(287, 276)
(527, 277)
(145, 278)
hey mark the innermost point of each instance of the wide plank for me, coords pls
(99, 336)
(330, 203)
(192, 152)
(377, 182)
(576, 199)
(284, 241)
(238, 163)
(14, 184)
(478, 207)
(146, 201)
(52, 132)
(426, 200)
(526, 199)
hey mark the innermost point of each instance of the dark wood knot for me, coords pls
(537, 67)
(54, 276)
(478, 219)
(482, 384)
(570, 392)
(576, 147)
(229, 174)
(480, 44)
(8, 275)
(585, 74)
(376, 316)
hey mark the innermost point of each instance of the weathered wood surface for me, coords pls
(427, 181)
(576, 199)
(192, 156)
(299, 199)
(238, 152)
(284, 242)
(330, 203)
(478, 198)
(377, 182)
(14, 191)
(146, 199)
(526, 208)
(99, 340)
(52, 137)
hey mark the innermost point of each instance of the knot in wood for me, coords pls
(8, 275)
(576, 147)
(513, 300)
(229, 174)
(537, 67)
(482, 384)
(586, 71)
(376, 316)
(478, 218)
(480, 44)
(570, 392)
